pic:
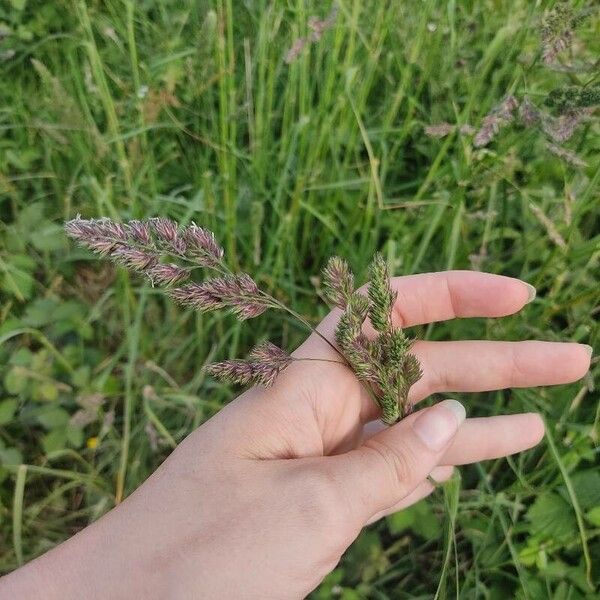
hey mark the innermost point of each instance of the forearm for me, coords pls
(102, 561)
(131, 552)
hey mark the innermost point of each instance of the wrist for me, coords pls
(104, 560)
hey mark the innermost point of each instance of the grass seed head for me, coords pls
(265, 362)
(134, 259)
(440, 130)
(499, 117)
(201, 244)
(382, 297)
(338, 282)
(236, 292)
(167, 274)
(384, 364)
(572, 97)
(139, 232)
(558, 28)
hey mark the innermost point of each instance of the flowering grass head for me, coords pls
(168, 254)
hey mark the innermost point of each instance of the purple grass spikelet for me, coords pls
(102, 236)
(237, 292)
(233, 371)
(165, 229)
(338, 282)
(134, 259)
(383, 365)
(319, 26)
(196, 296)
(557, 30)
(562, 128)
(507, 108)
(86, 230)
(294, 52)
(263, 365)
(167, 233)
(269, 352)
(167, 274)
(139, 231)
(439, 130)
(202, 246)
(266, 373)
(499, 117)
(77, 229)
(529, 113)
(567, 155)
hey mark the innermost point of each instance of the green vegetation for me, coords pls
(190, 110)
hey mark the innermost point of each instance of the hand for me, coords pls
(262, 500)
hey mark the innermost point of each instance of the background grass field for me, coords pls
(188, 109)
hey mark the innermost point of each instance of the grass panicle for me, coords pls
(381, 296)
(384, 365)
(338, 282)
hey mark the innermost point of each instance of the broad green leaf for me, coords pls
(7, 410)
(427, 524)
(39, 312)
(81, 377)
(55, 440)
(30, 216)
(46, 390)
(551, 516)
(16, 276)
(50, 237)
(528, 555)
(593, 516)
(14, 381)
(21, 358)
(418, 518)
(400, 521)
(53, 417)
(75, 436)
(331, 582)
(587, 487)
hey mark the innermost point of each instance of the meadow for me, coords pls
(296, 130)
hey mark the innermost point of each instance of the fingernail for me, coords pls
(589, 349)
(437, 425)
(531, 292)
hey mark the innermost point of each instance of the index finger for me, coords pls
(431, 297)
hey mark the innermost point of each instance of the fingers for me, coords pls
(493, 437)
(477, 366)
(391, 464)
(424, 489)
(476, 440)
(430, 297)
(485, 438)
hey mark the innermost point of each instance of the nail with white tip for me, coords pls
(438, 424)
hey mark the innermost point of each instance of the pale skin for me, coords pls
(261, 501)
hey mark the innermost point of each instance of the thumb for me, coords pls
(391, 464)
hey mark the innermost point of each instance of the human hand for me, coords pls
(262, 500)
